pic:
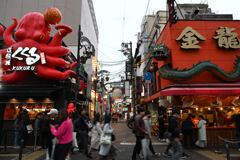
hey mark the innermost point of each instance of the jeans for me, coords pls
(137, 147)
(145, 148)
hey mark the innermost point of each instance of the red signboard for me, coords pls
(200, 52)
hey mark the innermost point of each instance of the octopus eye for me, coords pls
(41, 37)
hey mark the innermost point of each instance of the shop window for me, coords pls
(12, 109)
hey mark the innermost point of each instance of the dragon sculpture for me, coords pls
(167, 72)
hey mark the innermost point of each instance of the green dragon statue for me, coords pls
(167, 72)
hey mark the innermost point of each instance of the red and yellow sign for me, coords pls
(201, 52)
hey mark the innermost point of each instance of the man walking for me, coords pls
(140, 131)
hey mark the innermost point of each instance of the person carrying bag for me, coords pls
(105, 140)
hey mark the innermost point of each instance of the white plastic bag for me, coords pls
(74, 142)
(29, 128)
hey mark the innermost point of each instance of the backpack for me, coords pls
(131, 124)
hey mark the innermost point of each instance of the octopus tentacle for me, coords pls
(56, 62)
(54, 51)
(1, 30)
(7, 35)
(57, 51)
(51, 73)
(73, 65)
(63, 31)
(14, 76)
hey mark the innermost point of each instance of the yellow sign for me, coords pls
(189, 38)
(227, 38)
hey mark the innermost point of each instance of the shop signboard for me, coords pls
(200, 52)
(30, 48)
(29, 55)
(127, 88)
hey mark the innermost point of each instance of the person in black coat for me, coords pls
(187, 130)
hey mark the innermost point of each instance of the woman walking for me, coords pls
(202, 136)
(96, 133)
(63, 133)
(105, 145)
(147, 140)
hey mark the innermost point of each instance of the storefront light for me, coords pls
(13, 100)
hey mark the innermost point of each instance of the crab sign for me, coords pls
(30, 49)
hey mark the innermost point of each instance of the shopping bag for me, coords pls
(74, 142)
(29, 128)
(105, 139)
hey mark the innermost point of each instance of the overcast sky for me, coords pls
(119, 21)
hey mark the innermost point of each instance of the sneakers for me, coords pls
(166, 154)
(157, 154)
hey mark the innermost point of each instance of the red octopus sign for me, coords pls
(31, 49)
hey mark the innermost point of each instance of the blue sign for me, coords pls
(148, 76)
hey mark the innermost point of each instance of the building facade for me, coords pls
(39, 94)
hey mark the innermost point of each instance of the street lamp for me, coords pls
(88, 50)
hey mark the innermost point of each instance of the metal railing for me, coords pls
(7, 133)
(227, 143)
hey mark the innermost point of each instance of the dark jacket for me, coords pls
(140, 126)
(81, 124)
(172, 124)
(187, 125)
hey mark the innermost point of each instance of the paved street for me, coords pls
(125, 143)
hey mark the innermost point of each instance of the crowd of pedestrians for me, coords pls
(66, 131)
(70, 129)
(178, 133)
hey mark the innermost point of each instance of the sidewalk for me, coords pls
(12, 153)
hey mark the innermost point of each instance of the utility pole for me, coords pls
(132, 79)
(127, 51)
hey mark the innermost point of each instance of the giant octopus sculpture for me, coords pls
(33, 30)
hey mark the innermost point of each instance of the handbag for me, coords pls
(113, 137)
(105, 139)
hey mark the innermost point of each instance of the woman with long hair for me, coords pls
(63, 133)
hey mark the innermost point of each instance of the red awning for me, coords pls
(195, 91)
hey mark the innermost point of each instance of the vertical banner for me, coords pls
(127, 88)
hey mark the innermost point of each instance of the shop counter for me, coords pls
(226, 132)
